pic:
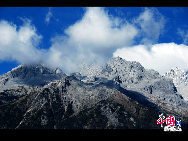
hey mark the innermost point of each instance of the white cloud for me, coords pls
(91, 40)
(160, 57)
(95, 37)
(48, 16)
(151, 24)
(19, 43)
(98, 28)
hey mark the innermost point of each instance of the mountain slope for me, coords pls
(178, 76)
(69, 103)
(121, 95)
(133, 76)
(180, 80)
(29, 75)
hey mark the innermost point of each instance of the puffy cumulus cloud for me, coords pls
(69, 56)
(99, 28)
(19, 44)
(161, 57)
(151, 24)
(91, 40)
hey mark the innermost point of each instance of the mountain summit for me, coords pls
(123, 94)
(30, 75)
(131, 75)
(178, 76)
(180, 80)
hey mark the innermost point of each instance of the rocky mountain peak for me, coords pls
(90, 70)
(178, 75)
(121, 94)
(120, 62)
(129, 72)
(30, 75)
(180, 80)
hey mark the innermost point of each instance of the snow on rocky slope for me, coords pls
(29, 75)
(131, 75)
(122, 94)
(180, 80)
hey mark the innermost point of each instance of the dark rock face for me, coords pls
(123, 96)
(98, 107)
(71, 104)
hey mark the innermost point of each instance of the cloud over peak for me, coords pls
(93, 39)
(161, 57)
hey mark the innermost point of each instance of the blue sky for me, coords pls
(66, 36)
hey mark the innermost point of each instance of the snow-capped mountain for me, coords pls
(90, 71)
(30, 75)
(180, 80)
(123, 94)
(131, 75)
(178, 75)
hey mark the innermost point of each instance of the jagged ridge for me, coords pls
(30, 75)
(123, 95)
